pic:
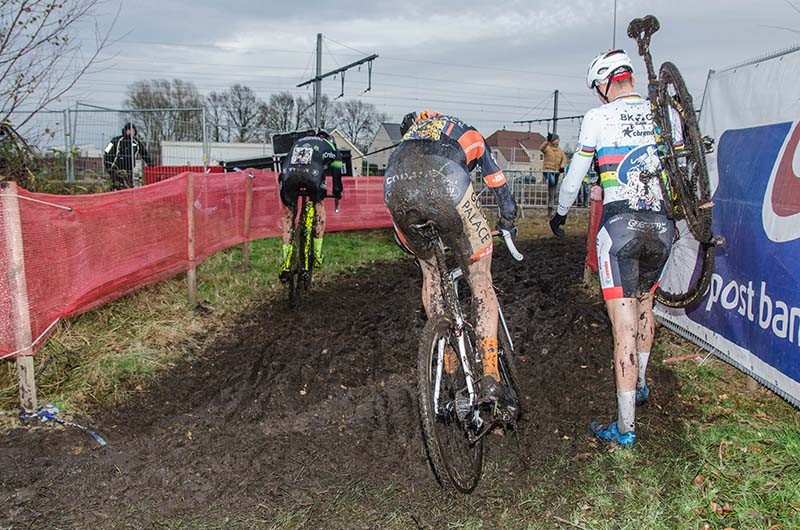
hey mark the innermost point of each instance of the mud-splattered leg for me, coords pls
(624, 314)
(644, 340)
(431, 288)
(287, 224)
(479, 276)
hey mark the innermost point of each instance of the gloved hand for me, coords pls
(555, 224)
(549, 137)
(507, 226)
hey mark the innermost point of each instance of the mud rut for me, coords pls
(286, 405)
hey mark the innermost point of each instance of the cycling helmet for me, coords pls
(322, 133)
(408, 120)
(612, 65)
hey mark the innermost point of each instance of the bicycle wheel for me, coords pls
(687, 166)
(687, 272)
(296, 281)
(506, 362)
(456, 460)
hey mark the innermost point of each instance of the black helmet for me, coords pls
(408, 121)
(322, 133)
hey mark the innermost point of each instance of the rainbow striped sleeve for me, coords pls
(586, 151)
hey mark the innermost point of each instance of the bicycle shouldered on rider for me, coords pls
(635, 235)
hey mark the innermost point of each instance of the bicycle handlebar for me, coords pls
(509, 241)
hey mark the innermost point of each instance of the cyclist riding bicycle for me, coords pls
(310, 159)
(428, 179)
(635, 235)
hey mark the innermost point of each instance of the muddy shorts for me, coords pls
(294, 179)
(422, 185)
(632, 249)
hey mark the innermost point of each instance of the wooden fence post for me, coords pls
(191, 274)
(248, 211)
(18, 291)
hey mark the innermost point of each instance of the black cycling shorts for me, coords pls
(632, 249)
(422, 185)
(296, 178)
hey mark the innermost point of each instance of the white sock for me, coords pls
(626, 411)
(643, 358)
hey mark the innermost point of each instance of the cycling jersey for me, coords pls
(463, 144)
(306, 165)
(620, 135)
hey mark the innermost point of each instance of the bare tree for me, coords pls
(359, 121)
(161, 111)
(279, 114)
(243, 114)
(216, 117)
(40, 57)
(305, 112)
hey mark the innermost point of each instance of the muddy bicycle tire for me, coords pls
(693, 264)
(300, 279)
(507, 364)
(456, 461)
(690, 180)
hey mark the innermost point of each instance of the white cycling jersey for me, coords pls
(620, 134)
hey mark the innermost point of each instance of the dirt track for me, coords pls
(288, 413)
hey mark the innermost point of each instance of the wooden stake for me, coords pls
(248, 211)
(18, 291)
(191, 274)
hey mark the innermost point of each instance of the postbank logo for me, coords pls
(780, 212)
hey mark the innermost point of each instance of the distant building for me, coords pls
(191, 153)
(356, 156)
(388, 135)
(517, 150)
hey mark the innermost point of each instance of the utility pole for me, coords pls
(317, 79)
(318, 85)
(555, 111)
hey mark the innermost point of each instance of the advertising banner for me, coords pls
(750, 315)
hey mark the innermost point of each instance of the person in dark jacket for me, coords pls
(119, 157)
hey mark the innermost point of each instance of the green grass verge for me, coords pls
(96, 358)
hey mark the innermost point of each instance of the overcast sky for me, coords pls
(489, 63)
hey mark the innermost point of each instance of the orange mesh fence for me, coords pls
(80, 252)
(153, 174)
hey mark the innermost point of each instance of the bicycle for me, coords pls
(454, 421)
(686, 190)
(302, 259)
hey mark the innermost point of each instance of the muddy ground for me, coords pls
(310, 420)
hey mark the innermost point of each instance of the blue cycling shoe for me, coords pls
(642, 394)
(610, 433)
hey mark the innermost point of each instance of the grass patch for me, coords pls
(96, 359)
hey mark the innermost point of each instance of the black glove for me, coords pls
(506, 226)
(549, 137)
(555, 224)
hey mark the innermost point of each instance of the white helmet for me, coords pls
(608, 65)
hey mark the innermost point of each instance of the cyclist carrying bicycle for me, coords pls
(427, 179)
(310, 159)
(635, 235)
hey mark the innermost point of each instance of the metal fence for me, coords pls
(529, 189)
(74, 139)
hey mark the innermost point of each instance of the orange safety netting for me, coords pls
(83, 251)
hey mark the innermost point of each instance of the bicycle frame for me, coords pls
(449, 282)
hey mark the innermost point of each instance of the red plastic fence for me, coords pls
(83, 251)
(153, 174)
(595, 213)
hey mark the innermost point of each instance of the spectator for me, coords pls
(119, 157)
(554, 163)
